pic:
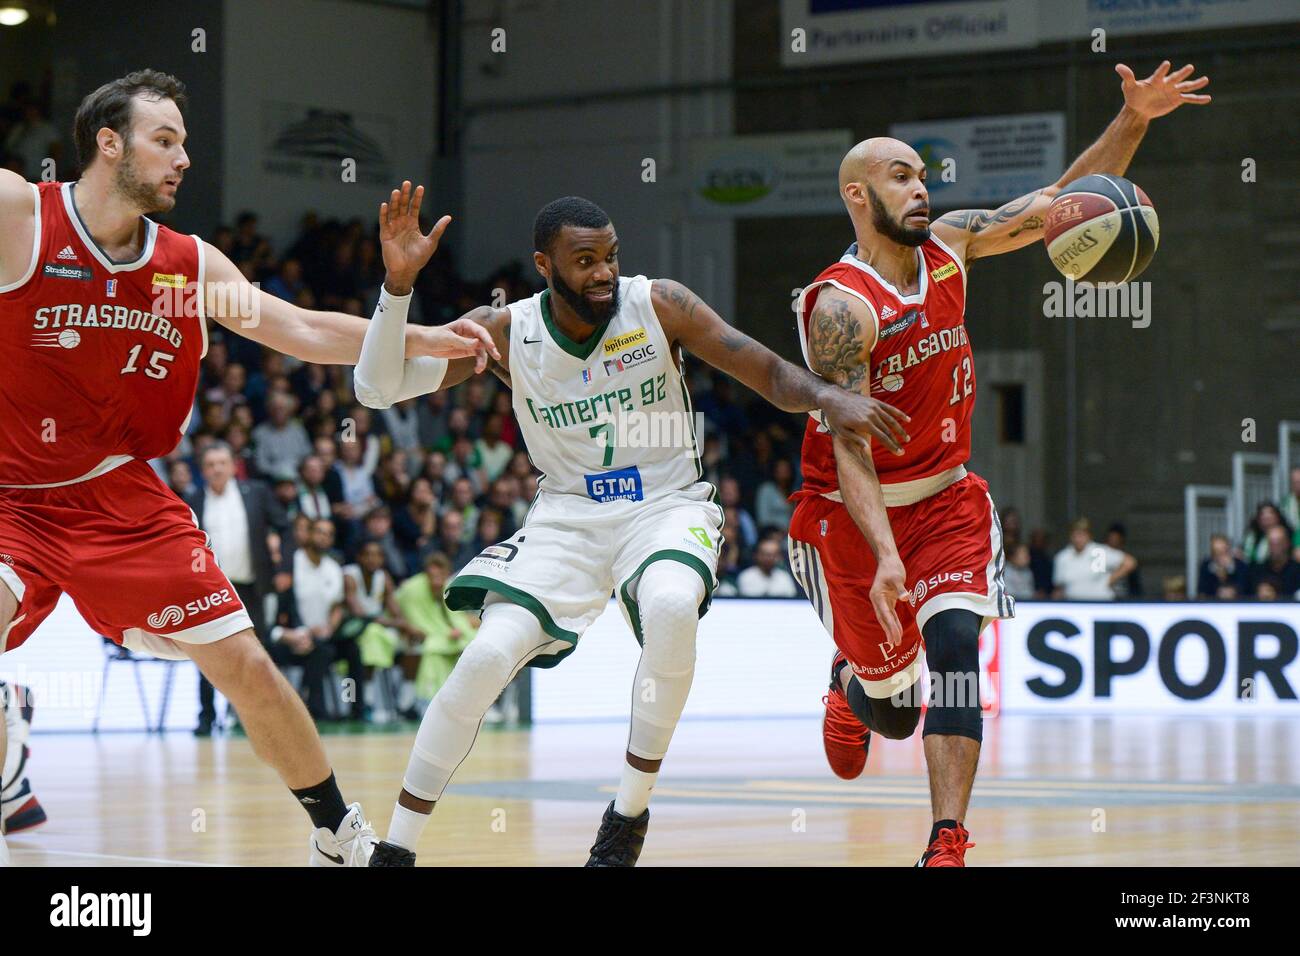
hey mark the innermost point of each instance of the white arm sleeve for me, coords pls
(383, 375)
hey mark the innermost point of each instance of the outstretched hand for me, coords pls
(859, 418)
(1162, 92)
(405, 248)
(463, 338)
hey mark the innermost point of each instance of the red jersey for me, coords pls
(921, 364)
(101, 357)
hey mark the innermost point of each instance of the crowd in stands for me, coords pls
(1266, 566)
(28, 140)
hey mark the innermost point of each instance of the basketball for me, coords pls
(69, 338)
(1102, 228)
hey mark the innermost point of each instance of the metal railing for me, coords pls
(1288, 456)
(1207, 510)
(1255, 478)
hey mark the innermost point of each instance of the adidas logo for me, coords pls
(887, 313)
(68, 254)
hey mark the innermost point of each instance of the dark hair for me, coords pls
(1255, 527)
(438, 559)
(110, 106)
(567, 211)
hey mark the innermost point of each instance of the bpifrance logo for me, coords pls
(621, 343)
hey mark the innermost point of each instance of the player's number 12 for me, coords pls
(965, 389)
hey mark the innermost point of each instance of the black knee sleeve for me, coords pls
(893, 717)
(953, 656)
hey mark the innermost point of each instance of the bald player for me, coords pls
(888, 320)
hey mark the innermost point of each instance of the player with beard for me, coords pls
(595, 367)
(103, 323)
(889, 319)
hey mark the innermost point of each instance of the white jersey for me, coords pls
(608, 420)
(371, 599)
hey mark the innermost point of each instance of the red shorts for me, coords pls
(951, 547)
(127, 551)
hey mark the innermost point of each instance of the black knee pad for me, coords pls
(893, 717)
(952, 653)
(896, 717)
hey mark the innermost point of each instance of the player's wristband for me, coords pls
(378, 374)
(399, 304)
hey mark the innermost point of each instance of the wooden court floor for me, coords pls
(1054, 791)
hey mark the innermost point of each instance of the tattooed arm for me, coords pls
(973, 233)
(688, 322)
(841, 332)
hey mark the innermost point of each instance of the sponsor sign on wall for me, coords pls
(986, 161)
(771, 658)
(845, 31)
(784, 174)
(1190, 658)
(824, 32)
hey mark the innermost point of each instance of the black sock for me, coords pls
(941, 825)
(323, 803)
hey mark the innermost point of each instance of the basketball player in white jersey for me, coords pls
(594, 364)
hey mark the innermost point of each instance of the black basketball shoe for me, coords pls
(620, 839)
(390, 854)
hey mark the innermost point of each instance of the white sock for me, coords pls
(634, 791)
(406, 827)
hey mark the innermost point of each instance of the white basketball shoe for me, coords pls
(19, 808)
(350, 845)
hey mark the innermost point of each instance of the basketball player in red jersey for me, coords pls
(888, 320)
(103, 326)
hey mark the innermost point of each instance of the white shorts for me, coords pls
(572, 553)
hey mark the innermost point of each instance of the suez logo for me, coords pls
(77, 909)
(173, 614)
(920, 589)
(1193, 656)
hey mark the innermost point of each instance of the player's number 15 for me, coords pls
(155, 368)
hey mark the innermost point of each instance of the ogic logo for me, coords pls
(169, 616)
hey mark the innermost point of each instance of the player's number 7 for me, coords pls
(606, 431)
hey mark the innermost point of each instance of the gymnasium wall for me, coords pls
(112, 40)
(575, 106)
(365, 90)
(1158, 407)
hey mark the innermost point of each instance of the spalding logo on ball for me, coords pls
(1101, 228)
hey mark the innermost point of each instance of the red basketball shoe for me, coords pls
(948, 849)
(845, 738)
